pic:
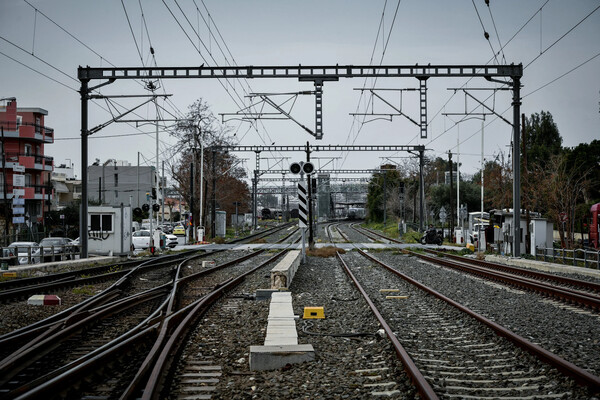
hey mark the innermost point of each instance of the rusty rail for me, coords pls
(578, 374)
(423, 387)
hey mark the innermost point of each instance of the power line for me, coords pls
(560, 38)
(561, 76)
(485, 34)
(41, 73)
(132, 34)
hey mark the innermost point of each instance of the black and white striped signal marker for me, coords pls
(302, 205)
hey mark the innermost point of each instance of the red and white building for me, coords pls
(25, 171)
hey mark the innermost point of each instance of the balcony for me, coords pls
(29, 161)
(27, 130)
(32, 192)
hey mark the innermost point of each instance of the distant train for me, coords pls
(356, 213)
(268, 213)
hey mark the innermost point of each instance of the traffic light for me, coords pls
(137, 212)
(295, 168)
(308, 168)
(154, 193)
(155, 207)
(146, 207)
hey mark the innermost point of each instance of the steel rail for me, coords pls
(522, 271)
(36, 280)
(165, 358)
(580, 375)
(565, 294)
(37, 349)
(377, 234)
(150, 329)
(423, 387)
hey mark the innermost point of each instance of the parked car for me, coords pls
(22, 250)
(172, 240)
(140, 239)
(179, 230)
(9, 256)
(61, 245)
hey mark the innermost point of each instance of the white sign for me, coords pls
(19, 180)
(18, 210)
(18, 168)
(18, 220)
(18, 201)
(19, 192)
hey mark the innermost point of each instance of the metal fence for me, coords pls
(576, 257)
(23, 255)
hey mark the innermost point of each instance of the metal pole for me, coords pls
(421, 188)
(458, 177)
(138, 181)
(451, 225)
(516, 166)
(162, 219)
(191, 202)
(482, 168)
(201, 209)
(157, 163)
(83, 236)
(254, 201)
(384, 198)
(213, 211)
(4, 188)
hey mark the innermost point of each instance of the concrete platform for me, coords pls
(283, 273)
(281, 342)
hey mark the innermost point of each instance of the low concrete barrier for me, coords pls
(283, 273)
(281, 342)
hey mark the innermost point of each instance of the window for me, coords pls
(19, 121)
(27, 150)
(101, 222)
(28, 180)
(38, 125)
(116, 180)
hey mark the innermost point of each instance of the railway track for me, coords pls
(448, 351)
(135, 322)
(559, 288)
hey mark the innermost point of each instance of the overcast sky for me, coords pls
(308, 33)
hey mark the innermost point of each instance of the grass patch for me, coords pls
(218, 240)
(259, 241)
(325, 252)
(411, 237)
(85, 290)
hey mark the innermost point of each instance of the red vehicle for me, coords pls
(595, 226)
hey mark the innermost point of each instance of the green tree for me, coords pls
(541, 139)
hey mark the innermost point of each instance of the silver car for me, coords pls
(26, 249)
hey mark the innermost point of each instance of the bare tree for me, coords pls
(559, 188)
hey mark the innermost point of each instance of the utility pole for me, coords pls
(451, 207)
(4, 187)
(384, 197)
(191, 231)
(516, 103)
(213, 211)
(162, 184)
(83, 232)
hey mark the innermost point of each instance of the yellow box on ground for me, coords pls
(314, 313)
